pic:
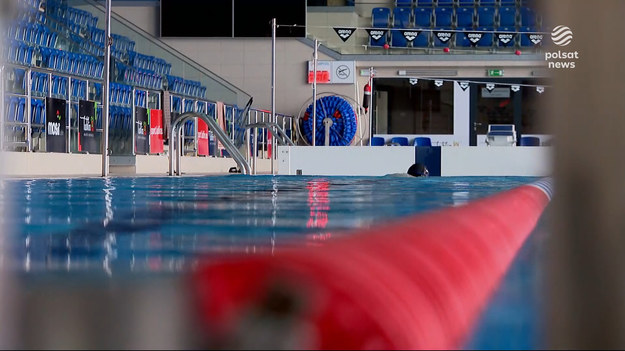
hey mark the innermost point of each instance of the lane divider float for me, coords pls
(417, 283)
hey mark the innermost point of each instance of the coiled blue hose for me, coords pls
(343, 117)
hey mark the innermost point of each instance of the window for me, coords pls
(422, 108)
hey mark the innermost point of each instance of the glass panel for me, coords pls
(493, 107)
(422, 108)
(532, 104)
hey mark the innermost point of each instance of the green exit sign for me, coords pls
(495, 72)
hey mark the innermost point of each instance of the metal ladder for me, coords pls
(220, 134)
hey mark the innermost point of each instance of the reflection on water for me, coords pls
(163, 224)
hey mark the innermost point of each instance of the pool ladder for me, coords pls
(276, 131)
(220, 134)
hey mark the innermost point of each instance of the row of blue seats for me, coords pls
(121, 45)
(401, 141)
(149, 63)
(72, 63)
(14, 109)
(120, 93)
(32, 33)
(187, 87)
(140, 98)
(383, 17)
(177, 105)
(426, 141)
(19, 52)
(142, 77)
(459, 38)
(458, 3)
(81, 17)
(120, 119)
(189, 128)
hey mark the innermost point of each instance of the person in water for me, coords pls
(418, 170)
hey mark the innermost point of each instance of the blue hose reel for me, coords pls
(343, 117)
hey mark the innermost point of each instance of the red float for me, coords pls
(418, 283)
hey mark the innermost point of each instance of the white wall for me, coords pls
(496, 161)
(345, 160)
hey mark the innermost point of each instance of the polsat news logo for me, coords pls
(561, 36)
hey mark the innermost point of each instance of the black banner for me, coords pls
(443, 36)
(87, 141)
(505, 38)
(474, 37)
(344, 32)
(142, 131)
(56, 123)
(377, 34)
(535, 38)
(410, 35)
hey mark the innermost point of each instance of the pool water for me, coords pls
(155, 225)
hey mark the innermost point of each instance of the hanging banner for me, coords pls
(376, 34)
(535, 38)
(156, 131)
(474, 37)
(202, 138)
(269, 143)
(56, 122)
(221, 120)
(87, 141)
(464, 85)
(505, 38)
(443, 36)
(344, 32)
(410, 35)
(142, 140)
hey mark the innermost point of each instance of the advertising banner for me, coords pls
(87, 135)
(156, 131)
(202, 138)
(56, 122)
(141, 131)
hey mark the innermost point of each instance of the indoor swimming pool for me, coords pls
(120, 226)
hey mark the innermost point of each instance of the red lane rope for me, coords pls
(419, 283)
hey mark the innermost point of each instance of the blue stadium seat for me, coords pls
(507, 16)
(465, 17)
(524, 38)
(445, 3)
(528, 17)
(487, 38)
(422, 17)
(485, 16)
(377, 141)
(423, 40)
(399, 141)
(461, 39)
(380, 18)
(422, 141)
(401, 19)
(529, 141)
(443, 17)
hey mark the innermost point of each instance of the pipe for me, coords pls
(104, 140)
